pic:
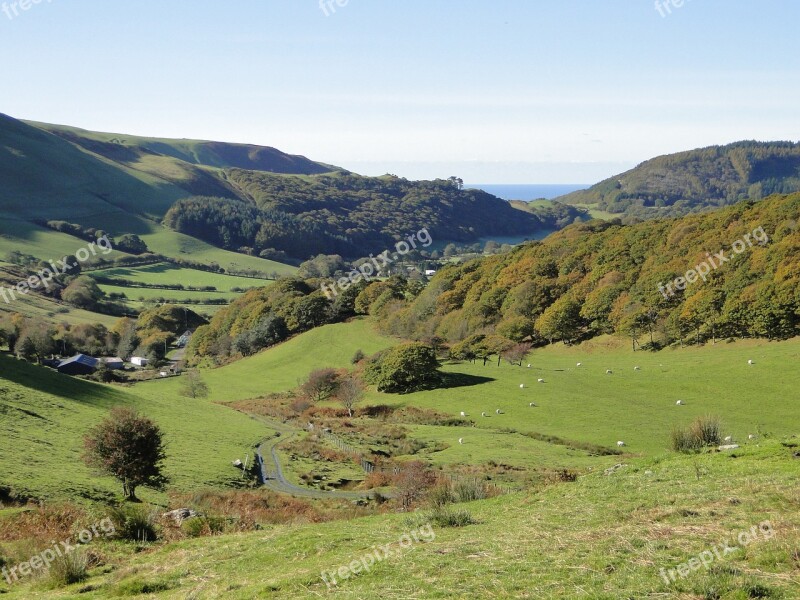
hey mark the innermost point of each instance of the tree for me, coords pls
(349, 393)
(129, 447)
(561, 320)
(83, 292)
(404, 368)
(516, 353)
(320, 385)
(35, 341)
(193, 386)
(414, 480)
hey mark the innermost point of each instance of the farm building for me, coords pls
(78, 365)
(114, 363)
(139, 361)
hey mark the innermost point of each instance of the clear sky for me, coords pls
(494, 91)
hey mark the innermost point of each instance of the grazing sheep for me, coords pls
(728, 438)
(532, 404)
(463, 414)
(579, 364)
(620, 444)
(750, 362)
(529, 366)
(498, 411)
(679, 403)
(521, 386)
(541, 380)
(460, 440)
(609, 372)
(483, 414)
(751, 437)
(637, 368)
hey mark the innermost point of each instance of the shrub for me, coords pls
(134, 523)
(68, 569)
(441, 495)
(448, 517)
(357, 357)
(404, 368)
(703, 432)
(469, 491)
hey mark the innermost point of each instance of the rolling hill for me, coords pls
(243, 198)
(697, 180)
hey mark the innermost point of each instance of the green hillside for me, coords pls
(218, 155)
(697, 180)
(44, 415)
(602, 537)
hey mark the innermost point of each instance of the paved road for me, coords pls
(272, 471)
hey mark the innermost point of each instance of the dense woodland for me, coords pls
(351, 215)
(698, 180)
(589, 279)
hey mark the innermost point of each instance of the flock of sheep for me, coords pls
(620, 443)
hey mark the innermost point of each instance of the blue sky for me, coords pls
(515, 91)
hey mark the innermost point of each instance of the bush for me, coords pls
(404, 368)
(448, 517)
(441, 495)
(68, 568)
(202, 526)
(469, 491)
(134, 523)
(357, 357)
(703, 432)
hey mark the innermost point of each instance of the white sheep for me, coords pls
(498, 411)
(728, 438)
(751, 437)
(609, 372)
(532, 404)
(579, 365)
(463, 414)
(637, 368)
(529, 366)
(460, 440)
(679, 403)
(620, 444)
(483, 414)
(521, 386)
(541, 380)
(751, 362)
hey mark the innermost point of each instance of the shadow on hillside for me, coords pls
(457, 380)
(42, 379)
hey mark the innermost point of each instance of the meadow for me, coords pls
(44, 416)
(603, 537)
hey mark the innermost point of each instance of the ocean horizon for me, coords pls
(533, 191)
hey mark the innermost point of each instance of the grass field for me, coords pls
(44, 415)
(600, 538)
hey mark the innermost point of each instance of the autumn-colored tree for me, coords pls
(129, 447)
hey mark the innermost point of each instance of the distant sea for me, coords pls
(527, 191)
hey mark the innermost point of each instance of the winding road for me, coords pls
(272, 473)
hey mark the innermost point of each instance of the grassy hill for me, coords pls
(44, 415)
(602, 537)
(697, 180)
(218, 155)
